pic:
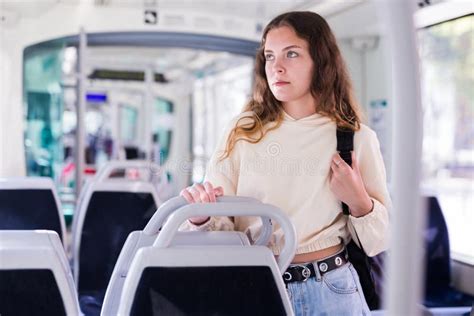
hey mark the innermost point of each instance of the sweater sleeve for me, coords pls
(224, 173)
(372, 229)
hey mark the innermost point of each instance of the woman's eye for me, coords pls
(292, 54)
(269, 57)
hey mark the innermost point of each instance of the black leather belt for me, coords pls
(302, 272)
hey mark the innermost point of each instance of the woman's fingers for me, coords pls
(355, 163)
(219, 191)
(337, 160)
(334, 166)
(201, 193)
(338, 169)
(187, 196)
(210, 191)
(194, 191)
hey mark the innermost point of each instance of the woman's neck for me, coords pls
(298, 109)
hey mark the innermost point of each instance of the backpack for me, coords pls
(369, 269)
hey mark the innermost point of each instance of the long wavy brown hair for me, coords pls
(331, 84)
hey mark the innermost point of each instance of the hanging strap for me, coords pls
(345, 144)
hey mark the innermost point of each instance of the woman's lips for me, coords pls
(280, 83)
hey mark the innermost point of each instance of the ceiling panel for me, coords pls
(253, 9)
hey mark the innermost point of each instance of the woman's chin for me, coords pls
(282, 98)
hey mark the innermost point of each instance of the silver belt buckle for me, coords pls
(306, 273)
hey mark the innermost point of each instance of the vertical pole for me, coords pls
(363, 81)
(214, 112)
(119, 143)
(115, 126)
(80, 112)
(148, 117)
(405, 270)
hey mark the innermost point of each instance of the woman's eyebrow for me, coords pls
(284, 49)
(291, 47)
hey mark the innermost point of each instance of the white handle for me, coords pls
(169, 207)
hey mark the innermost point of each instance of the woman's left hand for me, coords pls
(346, 183)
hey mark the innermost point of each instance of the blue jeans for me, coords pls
(337, 292)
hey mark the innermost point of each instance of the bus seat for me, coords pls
(115, 170)
(206, 275)
(35, 278)
(137, 240)
(109, 212)
(30, 203)
(132, 152)
(145, 238)
(438, 289)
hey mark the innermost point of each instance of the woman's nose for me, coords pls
(278, 66)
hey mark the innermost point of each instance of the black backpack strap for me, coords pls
(345, 144)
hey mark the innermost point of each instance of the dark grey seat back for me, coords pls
(239, 290)
(30, 292)
(30, 203)
(108, 217)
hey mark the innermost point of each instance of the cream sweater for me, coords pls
(290, 168)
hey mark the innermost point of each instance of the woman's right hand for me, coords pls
(201, 193)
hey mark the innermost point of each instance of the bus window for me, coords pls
(218, 97)
(447, 58)
(128, 123)
(43, 109)
(162, 126)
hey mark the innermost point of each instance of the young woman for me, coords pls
(282, 150)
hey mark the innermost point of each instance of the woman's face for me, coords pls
(288, 66)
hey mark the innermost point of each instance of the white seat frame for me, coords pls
(37, 183)
(106, 170)
(40, 249)
(107, 186)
